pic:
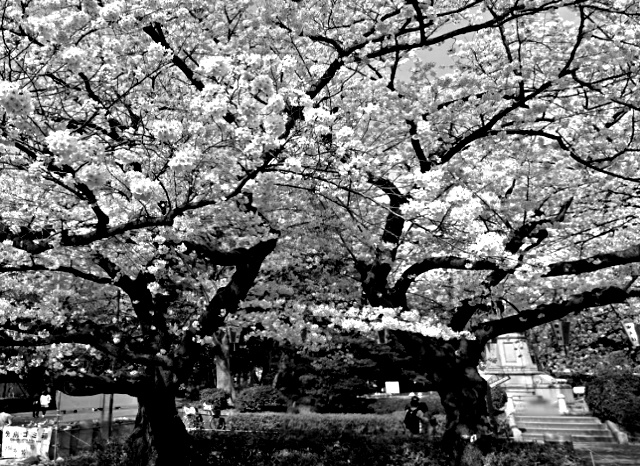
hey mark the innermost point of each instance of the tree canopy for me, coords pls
(162, 157)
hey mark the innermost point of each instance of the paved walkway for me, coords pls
(21, 419)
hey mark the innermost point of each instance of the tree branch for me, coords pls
(546, 313)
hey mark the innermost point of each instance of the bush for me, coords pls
(216, 397)
(498, 397)
(513, 453)
(261, 398)
(614, 394)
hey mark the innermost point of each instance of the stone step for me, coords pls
(581, 420)
(581, 438)
(555, 424)
(563, 430)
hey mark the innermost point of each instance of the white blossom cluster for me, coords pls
(167, 130)
(215, 66)
(368, 319)
(14, 100)
(143, 188)
(65, 146)
(184, 159)
(74, 57)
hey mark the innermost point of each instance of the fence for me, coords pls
(72, 440)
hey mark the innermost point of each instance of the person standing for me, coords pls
(36, 406)
(45, 401)
(417, 419)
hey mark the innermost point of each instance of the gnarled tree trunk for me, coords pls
(452, 367)
(159, 437)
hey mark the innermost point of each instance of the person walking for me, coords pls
(45, 401)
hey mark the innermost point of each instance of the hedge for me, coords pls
(340, 440)
(614, 394)
(261, 398)
(391, 404)
(318, 424)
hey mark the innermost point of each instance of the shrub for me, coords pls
(261, 398)
(216, 397)
(614, 394)
(498, 397)
(514, 453)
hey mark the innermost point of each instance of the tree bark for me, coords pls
(159, 437)
(224, 378)
(452, 367)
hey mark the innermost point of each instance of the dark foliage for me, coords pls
(498, 397)
(261, 398)
(216, 397)
(614, 394)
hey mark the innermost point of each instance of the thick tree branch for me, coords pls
(94, 384)
(546, 313)
(595, 262)
(226, 300)
(431, 263)
(63, 268)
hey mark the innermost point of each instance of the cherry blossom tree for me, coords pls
(158, 153)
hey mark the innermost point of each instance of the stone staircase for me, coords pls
(593, 441)
(541, 427)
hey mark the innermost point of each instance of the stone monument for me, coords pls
(508, 362)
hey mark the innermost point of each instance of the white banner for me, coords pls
(631, 330)
(561, 329)
(23, 442)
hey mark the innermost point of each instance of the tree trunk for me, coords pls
(452, 367)
(159, 437)
(224, 378)
(463, 393)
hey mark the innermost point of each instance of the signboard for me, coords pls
(561, 329)
(392, 387)
(499, 381)
(23, 442)
(632, 332)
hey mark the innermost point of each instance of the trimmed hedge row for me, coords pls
(614, 395)
(386, 405)
(319, 424)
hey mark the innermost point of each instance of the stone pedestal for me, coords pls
(509, 356)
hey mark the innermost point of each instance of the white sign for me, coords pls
(23, 442)
(499, 381)
(392, 387)
(632, 332)
(561, 329)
